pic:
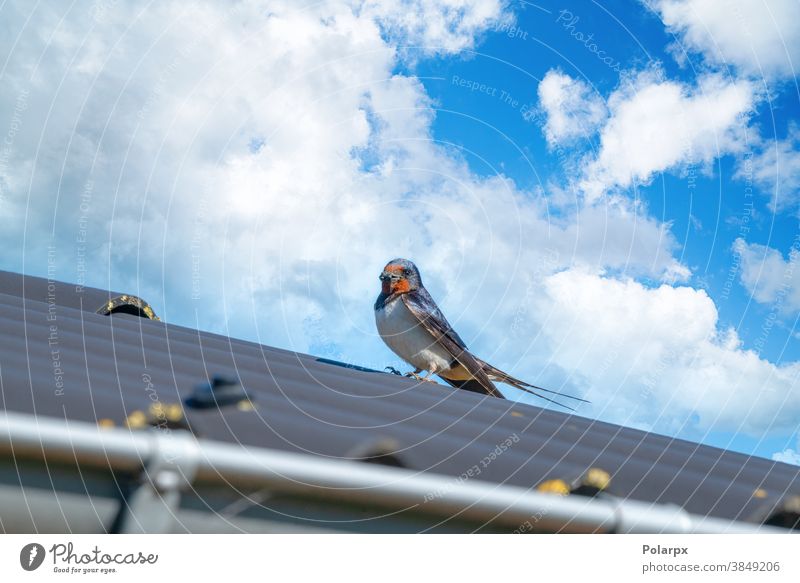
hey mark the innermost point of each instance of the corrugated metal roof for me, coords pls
(59, 358)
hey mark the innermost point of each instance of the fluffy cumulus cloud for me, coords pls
(768, 276)
(760, 38)
(261, 166)
(788, 455)
(753, 39)
(435, 26)
(572, 109)
(249, 169)
(657, 358)
(656, 125)
(775, 169)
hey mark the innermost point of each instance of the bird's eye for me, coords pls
(406, 271)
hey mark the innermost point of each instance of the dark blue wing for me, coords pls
(421, 304)
(422, 301)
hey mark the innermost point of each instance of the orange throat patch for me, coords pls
(400, 286)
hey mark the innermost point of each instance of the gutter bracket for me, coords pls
(152, 507)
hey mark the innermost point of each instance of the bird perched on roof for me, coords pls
(413, 326)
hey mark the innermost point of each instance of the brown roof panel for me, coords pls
(116, 368)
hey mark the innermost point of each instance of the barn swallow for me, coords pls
(413, 326)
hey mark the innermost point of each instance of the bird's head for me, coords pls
(400, 276)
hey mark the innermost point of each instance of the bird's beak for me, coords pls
(388, 278)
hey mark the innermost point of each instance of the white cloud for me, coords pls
(760, 40)
(436, 26)
(760, 37)
(775, 168)
(657, 125)
(788, 455)
(656, 357)
(769, 277)
(572, 108)
(273, 156)
(257, 168)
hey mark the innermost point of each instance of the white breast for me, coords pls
(408, 339)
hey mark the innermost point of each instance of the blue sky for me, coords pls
(500, 126)
(604, 200)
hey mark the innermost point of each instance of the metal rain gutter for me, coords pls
(179, 459)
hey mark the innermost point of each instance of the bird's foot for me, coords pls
(415, 375)
(393, 370)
